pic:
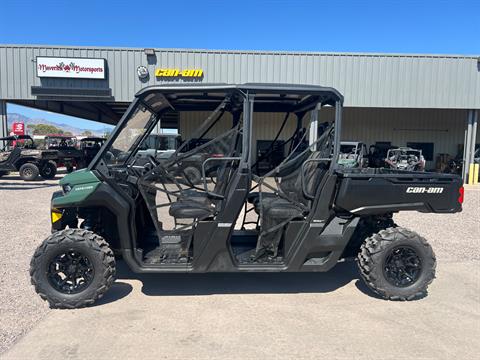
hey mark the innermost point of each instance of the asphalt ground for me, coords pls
(241, 315)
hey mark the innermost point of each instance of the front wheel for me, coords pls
(397, 264)
(72, 268)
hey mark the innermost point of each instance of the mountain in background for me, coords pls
(14, 117)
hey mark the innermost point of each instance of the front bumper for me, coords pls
(61, 218)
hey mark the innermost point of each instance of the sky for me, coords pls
(54, 117)
(406, 26)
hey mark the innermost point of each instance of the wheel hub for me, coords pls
(402, 267)
(70, 272)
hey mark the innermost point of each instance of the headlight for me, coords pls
(66, 188)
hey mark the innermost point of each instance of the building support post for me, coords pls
(471, 137)
(3, 119)
(473, 140)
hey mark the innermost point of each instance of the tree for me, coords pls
(87, 133)
(44, 129)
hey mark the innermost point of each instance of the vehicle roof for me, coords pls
(93, 139)
(16, 137)
(59, 136)
(267, 96)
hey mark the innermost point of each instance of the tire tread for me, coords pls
(376, 244)
(96, 243)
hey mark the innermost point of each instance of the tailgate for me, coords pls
(369, 194)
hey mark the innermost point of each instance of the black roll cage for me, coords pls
(297, 99)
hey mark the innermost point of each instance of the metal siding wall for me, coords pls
(445, 128)
(265, 126)
(190, 121)
(366, 80)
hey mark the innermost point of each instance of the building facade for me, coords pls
(427, 101)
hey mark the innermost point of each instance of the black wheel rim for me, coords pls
(402, 266)
(28, 172)
(70, 272)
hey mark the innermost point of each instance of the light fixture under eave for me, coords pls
(149, 52)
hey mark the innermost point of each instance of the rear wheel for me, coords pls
(72, 268)
(397, 264)
(28, 171)
(48, 170)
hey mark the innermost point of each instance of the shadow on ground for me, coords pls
(27, 185)
(241, 283)
(118, 291)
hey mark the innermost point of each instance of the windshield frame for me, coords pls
(119, 128)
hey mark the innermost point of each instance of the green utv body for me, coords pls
(306, 214)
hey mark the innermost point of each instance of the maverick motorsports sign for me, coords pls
(179, 73)
(74, 68)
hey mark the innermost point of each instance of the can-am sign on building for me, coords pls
(76, 68)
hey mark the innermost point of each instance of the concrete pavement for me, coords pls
(258, 316)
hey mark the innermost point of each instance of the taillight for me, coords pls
(217, 155)
(461, 192)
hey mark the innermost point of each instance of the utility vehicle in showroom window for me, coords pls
(306, 214)
(405, 158)
(353, 154)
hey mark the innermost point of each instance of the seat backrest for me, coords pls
(14, 155)
(292, 184)
(305, 171)
(227, 167)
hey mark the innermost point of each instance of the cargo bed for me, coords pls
(378, 191)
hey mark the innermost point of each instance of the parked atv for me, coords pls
(405, 158)
(306, 214)
(89, 147)
(353, 154)
(21, 154)
(68, 155)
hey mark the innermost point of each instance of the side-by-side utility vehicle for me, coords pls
(353, 154)
(68, 155)
(20, 154)
(405, 158)
(306, 214)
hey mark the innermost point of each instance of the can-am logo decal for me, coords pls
(186, 73)
(71, 68)
(424, 190)
(83, 188)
